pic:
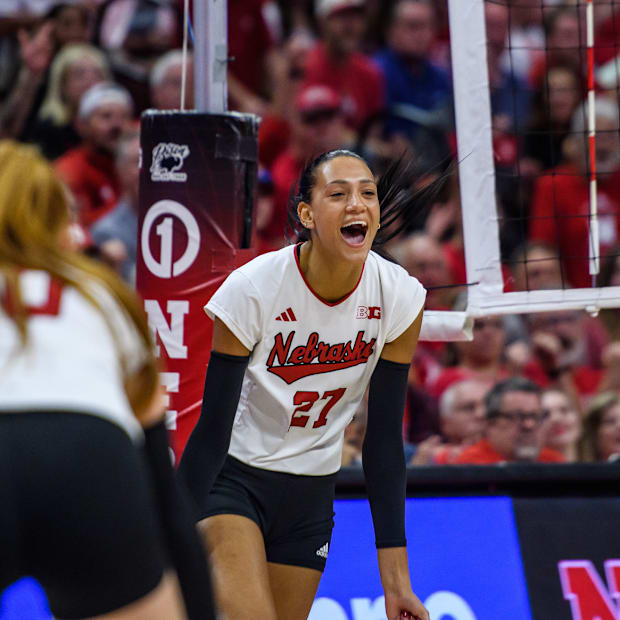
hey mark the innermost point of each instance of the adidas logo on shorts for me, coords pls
(322, 552)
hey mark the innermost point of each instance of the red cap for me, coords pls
(317, 97)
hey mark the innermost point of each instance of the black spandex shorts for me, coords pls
(294, 513)
(76, 512)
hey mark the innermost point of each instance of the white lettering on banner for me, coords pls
(442, 605)
(164, 267)
(366, 609)
(327, 608)
(171, 335)
(170, 380)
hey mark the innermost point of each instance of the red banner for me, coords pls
(197, 179)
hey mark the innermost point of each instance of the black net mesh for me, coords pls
(540, 75)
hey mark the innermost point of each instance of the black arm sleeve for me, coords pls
(383, 456)
(208, 444)
(181, 538)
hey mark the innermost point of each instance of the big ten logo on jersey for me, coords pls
(584, 589)
(368, 312)
(174, 224)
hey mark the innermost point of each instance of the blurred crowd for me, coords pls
(373, 76)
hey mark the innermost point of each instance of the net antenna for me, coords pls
(594, 240)
(477, 180)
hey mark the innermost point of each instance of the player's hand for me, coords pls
(405, 607)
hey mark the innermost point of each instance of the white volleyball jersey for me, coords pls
(71, 361)
(310, 361)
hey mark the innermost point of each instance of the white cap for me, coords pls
(101, 94)
(323, 8)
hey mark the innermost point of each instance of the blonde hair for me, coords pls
(34, 216)
(54, 107)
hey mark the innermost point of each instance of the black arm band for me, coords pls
(208, 444)
(383, 457)
(183, 544)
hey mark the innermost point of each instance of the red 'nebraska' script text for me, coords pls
(316, 357)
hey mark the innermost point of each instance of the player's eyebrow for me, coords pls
(345, 181)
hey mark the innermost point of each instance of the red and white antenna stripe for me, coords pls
(594, 244)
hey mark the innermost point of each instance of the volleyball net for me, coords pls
(536, 91)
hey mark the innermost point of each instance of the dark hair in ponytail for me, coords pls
(401, 204)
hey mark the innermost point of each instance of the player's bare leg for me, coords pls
(239, 567)
(294, 589)
(162, 603)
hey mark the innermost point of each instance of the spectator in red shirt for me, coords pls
(89, 170)
(565, 191)
(338, 62)
(516, 427)
(461, 419)
(479, 359)
(561, 349)
(317, 126)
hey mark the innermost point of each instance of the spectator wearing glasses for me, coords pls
(516, 428)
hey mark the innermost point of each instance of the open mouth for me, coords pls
(354, 233)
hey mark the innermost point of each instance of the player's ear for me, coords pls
(304, 212)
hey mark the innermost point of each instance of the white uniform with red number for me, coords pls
(310, 361)
(72, 362)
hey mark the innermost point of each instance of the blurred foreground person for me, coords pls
(90, 505)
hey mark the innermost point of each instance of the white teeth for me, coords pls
(357, 223)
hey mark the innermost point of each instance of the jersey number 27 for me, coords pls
(305, 400)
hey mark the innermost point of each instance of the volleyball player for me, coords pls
(89, 501)
(298, 336)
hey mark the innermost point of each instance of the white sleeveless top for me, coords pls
(310, 361)
(71, 361)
